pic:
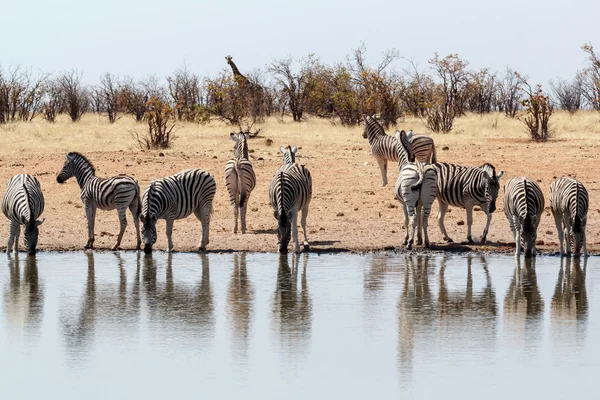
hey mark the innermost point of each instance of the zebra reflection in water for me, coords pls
(240, 300)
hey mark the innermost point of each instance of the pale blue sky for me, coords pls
(132, 37)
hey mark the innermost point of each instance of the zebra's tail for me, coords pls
(422, 172)
(577, 224)
(240, 185)
(433, 155)
(139, 200)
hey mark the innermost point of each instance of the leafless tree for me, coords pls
(591, 78)
(568, 94)
(134, 97)
(75, 96)
(20, 94)
(481, 89)
(185, 90)
(509, 93)
(106, 96)
(52, 104)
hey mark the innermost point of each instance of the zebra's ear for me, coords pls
(409, 134)
(68, 157)
(282, 149)
(247, 136)
(233, 136)
(499, 175)
(294, 150)
(39, 221)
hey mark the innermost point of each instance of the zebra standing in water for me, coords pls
(415, 189)
(290, 191)
(239, 179)
(176, 197)
(466, 187)
(22, 204)
(383, 147)
(119, 192)
(569, 203)
(523, 206)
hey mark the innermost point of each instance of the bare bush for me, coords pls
(509, 93)
(481, 91)
(160, 118)
(75, 97)
(538, 110)
(185, 90)
(568, 94)
(591, 78)
(52, 104)
(134, 97)
(106, 97)
(20, 94)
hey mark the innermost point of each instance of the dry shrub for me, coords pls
(159, 117)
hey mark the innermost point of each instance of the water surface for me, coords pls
(110, 325)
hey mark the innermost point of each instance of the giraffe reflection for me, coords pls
(240, 299)
(24, 298)
(292, 306)
(523, 304)
(570, 303)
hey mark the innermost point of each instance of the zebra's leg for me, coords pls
(303, 223)
(406, 226)
(382, 162)
(13, 238)
(425, 215)
(469, 224)
(169, 235)
(585, 253)
(133, 208)
(558, 222)
(243, 213)
(443, 208)
(236, 210)
(419, 224)
(488, 222)
(122, 225)
(295, 230)
(90, 213)
(517, 239)
(203, 214)
(413, 225)
(567, 229)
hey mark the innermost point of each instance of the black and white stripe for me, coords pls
(119, 192)
(176, 197)
(22, 204)
(290, 191)
(466, 187)
(240, 179)
(569, 203)
(523, 206)
(383, 147)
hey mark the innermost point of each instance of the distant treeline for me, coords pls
(300, 88)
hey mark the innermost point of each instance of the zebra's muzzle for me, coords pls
(60, 180)
(148, 249)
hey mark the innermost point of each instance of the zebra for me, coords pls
(290, 191)
(119, 192)
(383, 147)
(240, 179)
(22, 204)
(288, 154)
(466, 187)
(523, 206)
(176, 197)
(569, 204)
(414, 189)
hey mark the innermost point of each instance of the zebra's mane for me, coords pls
(489, 169)
(374, 126)
(77, 154)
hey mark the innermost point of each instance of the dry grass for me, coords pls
(344, 175)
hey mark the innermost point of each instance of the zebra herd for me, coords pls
(421, 180)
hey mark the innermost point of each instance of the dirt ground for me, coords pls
(349, 210)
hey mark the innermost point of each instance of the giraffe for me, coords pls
(255, 90)
(237, 75)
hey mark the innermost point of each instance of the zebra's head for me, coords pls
(579, 233)
(31, 235)
(240, 149)
(73, 162)
(529, 234)
(372, 126)
(148, 220)
(289, 154)
(492, 186)
(404, 149)
(284, 232)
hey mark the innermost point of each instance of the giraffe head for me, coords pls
(229, 59)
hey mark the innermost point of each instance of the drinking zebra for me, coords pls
(523, 206)
(176, 197)
(383, 147)
(415, 189)
(569, 203)
(119, 192)
(290, 191)
(22, 204)
(466, 187)
(239, 179)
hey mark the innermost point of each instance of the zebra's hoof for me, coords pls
(409, 246)
(306, 247)
(483, 240)
(419, 242)
(427, 245)
(470, 241)
(448, 240)
(404, 242)
(138, 247)
(201, 249)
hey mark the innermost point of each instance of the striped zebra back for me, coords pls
(382, 146)
(458, 184)
(569, 196)
(524, 200)
(23, 201)
(290, 189)
(423, 148)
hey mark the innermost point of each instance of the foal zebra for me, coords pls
(176, 197)
(120, 192)
(239, 179)
(523, 206)
(415, 189)
(383, 147)
(466, 187)
(290, 191)
(22, 204)
(569, 203)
